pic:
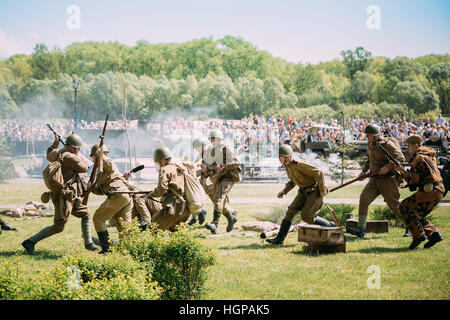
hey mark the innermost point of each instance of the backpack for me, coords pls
(53, 177)
(195, 195)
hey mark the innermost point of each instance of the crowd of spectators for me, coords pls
(253, 132)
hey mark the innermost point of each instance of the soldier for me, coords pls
(116, 206)
(68, 201)
(309, 200)
(140, 209)
(425, 176)
(223, 166)
(383, 183)
(5, 227)
(173, 208)
(200, 147)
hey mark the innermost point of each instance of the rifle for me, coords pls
(56, 134)
(138, 168)
(360, 178)
(109, 193)
(398, 166)
(96, 163)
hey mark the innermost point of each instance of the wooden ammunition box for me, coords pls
(375, 226)
(315, 234)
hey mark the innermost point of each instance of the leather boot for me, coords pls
(143, 226)
(282, 233)
(192, 221)
(324, 222)
(6, 227)
(202, 216)
(435, 238)
(231, 221)
(104, 241)
(407, 233)
(358, 231)
(29, 246)
(87, 235)
(417, 241)
(213, 225)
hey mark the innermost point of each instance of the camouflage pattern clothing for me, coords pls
(173, 209)
(415, 208)
(311, 183)
(116, 206)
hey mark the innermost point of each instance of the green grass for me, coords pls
(249, 268)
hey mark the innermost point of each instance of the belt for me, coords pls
(310, 188)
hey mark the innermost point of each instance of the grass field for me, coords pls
(248, 268)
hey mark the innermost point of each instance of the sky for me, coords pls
(297, 31)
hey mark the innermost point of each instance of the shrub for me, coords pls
(177, 261)
(340, 209)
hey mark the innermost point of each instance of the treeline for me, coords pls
(229, 74)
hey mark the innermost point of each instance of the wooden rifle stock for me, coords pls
(55, 133)
(360, 178)
(96, 164)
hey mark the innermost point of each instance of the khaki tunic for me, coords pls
(311, 183)
(386, 185)
(414, 209)
(170, 189)
(222, 186)
(68, 200)
(116, 206)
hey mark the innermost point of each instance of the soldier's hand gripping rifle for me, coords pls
(98, 162)
(397, 165)
(56, 134)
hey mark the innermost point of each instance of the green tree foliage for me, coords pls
(439, 75)
(415, 96)
(356, 60)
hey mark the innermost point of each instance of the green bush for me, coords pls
(340, 209)
(177, 261)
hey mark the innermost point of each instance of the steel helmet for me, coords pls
(372, 129)
(161, 153)
(74, 140)
(216, 134)
(95, 147)
(285, 150)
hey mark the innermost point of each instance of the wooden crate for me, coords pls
(312, 233)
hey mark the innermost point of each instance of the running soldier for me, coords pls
(222, 166)
(311, 190)
(116, 206)
(140, 209)
(383, 183)
(425, 177)
(173, 208)
(68, 201)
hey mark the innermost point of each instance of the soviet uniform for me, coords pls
(68, 201)
(311, 183)
(140, 209)
(173, 208)
(386, 185)
(222, 155)
(116, 206)
(415, 208)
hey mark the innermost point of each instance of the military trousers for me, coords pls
(140, 210)
(166, 221)
(116, 206)
(307, 203)
(387, 186)
(66, 203)
(415, 208)
(220, 197)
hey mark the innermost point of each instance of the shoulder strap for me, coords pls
(224, 154)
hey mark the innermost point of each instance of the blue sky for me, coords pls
(298, 31)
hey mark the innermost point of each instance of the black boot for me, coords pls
(231, 221)
(407, 233)
(143, 226)
(104, 241)
(282, 233)
(324, 222)
(417, 241)
(358, 231)
(234, 213)
(201, 216)
(213, 225)
(435, 238)
(29, 246)
(6, 227)
(192, 221)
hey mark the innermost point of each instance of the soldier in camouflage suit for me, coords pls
(424, 175)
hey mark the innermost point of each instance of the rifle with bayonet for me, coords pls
(97, 163)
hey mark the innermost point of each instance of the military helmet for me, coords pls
(95, 147)
(372, 129)
(198, 143)
(285, 150)
(74, 140)
(216, 134)
(161, 153)
(414, 139)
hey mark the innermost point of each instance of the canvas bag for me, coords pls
(53, 177)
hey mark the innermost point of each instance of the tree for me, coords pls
(362, 87)
(416, 97)
(439, 75)
(8, 107)
(356, 60)
(45, 64)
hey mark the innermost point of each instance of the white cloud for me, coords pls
(8, 47)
